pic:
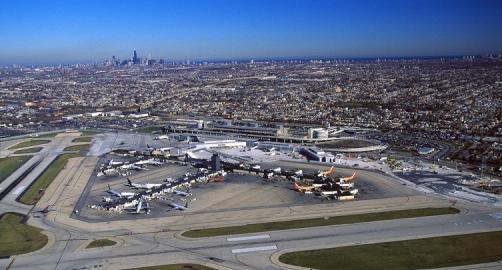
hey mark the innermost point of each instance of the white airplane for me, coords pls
(119, 194)
(132, 167)
(299, 172)
(169, 180)
(329, 192)
(346, 185)
(114, 163)
(111, 171)
(256, 167)
(150, 161)
(277, 170)
(139, 207)
(141, 186)
(181, 193)
(161, 137)
(180, 207)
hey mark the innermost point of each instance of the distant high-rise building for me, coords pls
(215, 162)
(135, 59)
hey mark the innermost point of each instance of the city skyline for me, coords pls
(86, 32)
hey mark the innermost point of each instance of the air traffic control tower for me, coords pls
(215, 163)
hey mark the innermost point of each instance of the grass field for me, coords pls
(18, 238)
(9, 164)
(184, 266)
(82, 139)
(101, 243)
(411, 254)
(33, 194)
(29, 150)
(315, 222)
(29, 143)
(79, 147)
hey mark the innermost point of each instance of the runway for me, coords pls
(158, 240)
(38, 163)
(167, 247)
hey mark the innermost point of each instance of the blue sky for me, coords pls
(41, 31)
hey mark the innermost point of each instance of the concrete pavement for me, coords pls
(157, 241)
(38, 163)
(161, 248)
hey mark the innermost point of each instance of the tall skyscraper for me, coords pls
(135, 59)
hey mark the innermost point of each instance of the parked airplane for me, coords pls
(132, 167)
(327, 172)
(302, 188)
(277, 170)
(115, 163)
(111, 171)
(330, 191)
(141, 186)
(268, 174)
(139, 207)
(348, 178)
(299, 173)
(176, 206)
(150, 161)
(256, 167)
(181, 193)
(159, 150)
(119, 194)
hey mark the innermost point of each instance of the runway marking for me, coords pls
(253, 249)
(255, 237)
(496, 215)
(18, 190)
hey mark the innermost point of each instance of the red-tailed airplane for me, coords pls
(302, 188)
(327, 172)
(348, 178)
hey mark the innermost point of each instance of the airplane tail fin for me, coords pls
(296, 186)
(349, 178)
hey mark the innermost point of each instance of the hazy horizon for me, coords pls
(36, 32)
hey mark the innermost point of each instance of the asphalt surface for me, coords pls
(38, 163)
(166, 247)
(219, 206)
